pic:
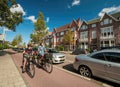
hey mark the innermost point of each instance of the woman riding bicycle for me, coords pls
(27, 52)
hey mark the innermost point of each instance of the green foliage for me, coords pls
(60, 48)
(4, 45)
(17, 40)
(9, 19)
(68, 37)
(40, 30)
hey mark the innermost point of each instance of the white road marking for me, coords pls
(72, 73)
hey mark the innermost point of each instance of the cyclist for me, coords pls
(26, 53)
(41, 50)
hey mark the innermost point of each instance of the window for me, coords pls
(73, 28)
(84, 27)
(112, 57)
(110, 21)
(101, 23)
(93, 34)
(106, 21)
(93, 25)
(62, 33)
(84, 35)
(107, 31)
(99, 56)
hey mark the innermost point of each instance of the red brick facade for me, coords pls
(94, 34)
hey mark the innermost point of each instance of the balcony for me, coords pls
(107, 37)
(83, 40)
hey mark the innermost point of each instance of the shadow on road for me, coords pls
(69, 67)
(2, 53)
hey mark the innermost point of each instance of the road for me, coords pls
(58, 78)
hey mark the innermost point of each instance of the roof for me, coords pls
(63, 28)
(49, 33)
(94, 21)
(116, 15)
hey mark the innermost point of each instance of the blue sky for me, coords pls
(58, 13)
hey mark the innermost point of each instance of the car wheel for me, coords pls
(85, 71)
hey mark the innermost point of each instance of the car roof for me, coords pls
(109, 50)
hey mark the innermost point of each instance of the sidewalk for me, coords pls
(9, 74)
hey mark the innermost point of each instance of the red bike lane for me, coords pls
(58, 78)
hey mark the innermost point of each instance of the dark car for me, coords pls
(78, 51)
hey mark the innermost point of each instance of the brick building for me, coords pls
(58, 33)
(100, 32)
(94, 34)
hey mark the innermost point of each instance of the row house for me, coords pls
(58, 33)
(100, 32)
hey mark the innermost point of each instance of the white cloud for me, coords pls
(31, 18)
(17, 8)
(48, 19)
(109, 10)
(75, 2)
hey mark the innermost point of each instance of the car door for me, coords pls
(98, 62)
(113, 65)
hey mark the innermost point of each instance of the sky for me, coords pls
(58, 13)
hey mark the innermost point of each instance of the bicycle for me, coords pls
(45, 63)
(29, 68)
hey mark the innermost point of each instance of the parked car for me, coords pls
(78, 51)
(56, 56)
(20, 49)
(104, 64)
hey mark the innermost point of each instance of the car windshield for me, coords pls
(53, 51)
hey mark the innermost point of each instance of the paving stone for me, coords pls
(9, 74)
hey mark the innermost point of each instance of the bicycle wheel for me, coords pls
(48, 65)
(31, 69)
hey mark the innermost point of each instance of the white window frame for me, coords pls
(94, 35)
(62, 33)
(93, 25)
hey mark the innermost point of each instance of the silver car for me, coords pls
(56, 56)
(104, 64)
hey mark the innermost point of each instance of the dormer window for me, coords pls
(73, 29)
(84, 27)
(93, 25)
(106, 21)
(62, 33)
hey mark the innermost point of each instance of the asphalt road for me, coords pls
(58, 78)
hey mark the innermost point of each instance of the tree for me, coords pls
(40, 30)
(68, 37)
(8, 18)
(17, 40)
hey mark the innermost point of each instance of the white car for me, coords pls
(56, 56)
